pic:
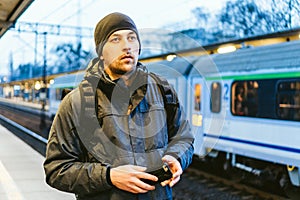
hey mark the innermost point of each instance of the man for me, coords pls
(105, 140)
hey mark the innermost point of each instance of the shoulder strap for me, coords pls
(87, 94)
(170, 100)
(167, 91)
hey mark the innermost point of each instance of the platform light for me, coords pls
(51, 81)
(226, 49)
(37, 85)
(171, 57)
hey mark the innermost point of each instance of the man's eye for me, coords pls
(132, 38)
(116, 39)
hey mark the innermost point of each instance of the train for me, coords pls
(243, 105)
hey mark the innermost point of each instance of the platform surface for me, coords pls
(21, 172)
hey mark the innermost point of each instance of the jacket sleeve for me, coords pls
(181, 139)
(67, 167)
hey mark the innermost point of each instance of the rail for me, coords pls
(33, 139)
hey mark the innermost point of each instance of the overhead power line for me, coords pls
(53, 29)
(60, 7)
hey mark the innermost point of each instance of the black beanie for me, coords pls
(108, 25)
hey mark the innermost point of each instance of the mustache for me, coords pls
(127, 55)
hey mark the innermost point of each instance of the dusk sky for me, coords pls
(146, 14)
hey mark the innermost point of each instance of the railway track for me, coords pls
(195, 183)
(34, 121)
(31, 127)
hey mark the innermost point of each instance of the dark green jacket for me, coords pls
(127, 126)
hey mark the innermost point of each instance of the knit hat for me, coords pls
(110, 24)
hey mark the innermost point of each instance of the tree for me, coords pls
(22, 72)
(244, 18)
(202, 16)
(286, 13)
(70, 57)
(194, 35)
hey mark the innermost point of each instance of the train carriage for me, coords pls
(252, 105)
(68, 81)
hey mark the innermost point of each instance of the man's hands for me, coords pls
(175, 168)
(127, 177)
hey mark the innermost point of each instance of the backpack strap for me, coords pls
(87, 93)
(169, 96)
(171, 102)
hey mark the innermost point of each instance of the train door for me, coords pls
(196, 109)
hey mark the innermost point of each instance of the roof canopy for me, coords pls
(10, 11)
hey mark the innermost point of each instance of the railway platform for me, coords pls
(21, 172)
(19, 103)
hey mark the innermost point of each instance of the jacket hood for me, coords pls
(93, 69)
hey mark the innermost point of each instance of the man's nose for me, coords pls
(126, 45)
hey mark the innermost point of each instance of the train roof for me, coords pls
(68, 80)
(179, 66)
(283, 56)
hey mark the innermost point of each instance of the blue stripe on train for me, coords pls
(294, 150)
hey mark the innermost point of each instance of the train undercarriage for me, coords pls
(270, 177)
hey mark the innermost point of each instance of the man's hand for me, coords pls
(175, 168)
(127, 177)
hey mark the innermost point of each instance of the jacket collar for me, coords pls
(118, 92)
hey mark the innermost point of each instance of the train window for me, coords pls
(288, 100)
(61, 92)
(58, 94)
(244, 98)
(65, 91)
(215, 105)
(197, 97)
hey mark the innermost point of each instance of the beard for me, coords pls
(119, 71)
(122, 68)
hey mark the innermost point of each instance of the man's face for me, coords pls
(120, 53)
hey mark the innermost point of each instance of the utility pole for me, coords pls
(78, 24)
(43, 93)
(11, 66)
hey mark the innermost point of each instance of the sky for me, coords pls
(86, 13)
